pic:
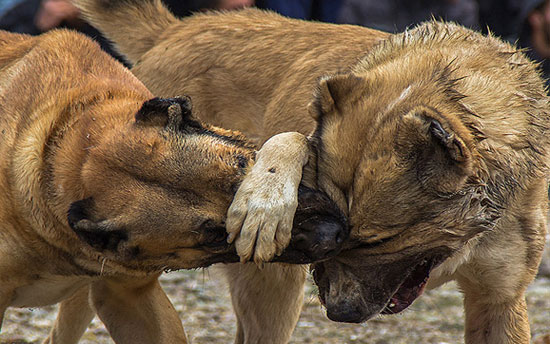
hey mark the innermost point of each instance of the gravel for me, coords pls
(202, 300)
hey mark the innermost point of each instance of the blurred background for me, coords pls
(203, 303)
(525, 22)
(198, 294)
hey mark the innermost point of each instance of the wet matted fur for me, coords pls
(433, 141)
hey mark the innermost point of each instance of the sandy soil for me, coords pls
(203, 303)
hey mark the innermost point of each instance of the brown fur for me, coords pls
(71, 145)
(434, 142)
(104, 188)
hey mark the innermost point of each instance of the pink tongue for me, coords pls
(403, 298)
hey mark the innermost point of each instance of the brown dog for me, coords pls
(103, 189)
(434, 142)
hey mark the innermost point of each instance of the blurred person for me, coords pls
(34, 17)
(538, 30)
(534, 32)
(397, 15)
(37, 16)
(233, 4)
(6, 5)
(320, 10)
(48, 14)
(501, 17)
(54, 13)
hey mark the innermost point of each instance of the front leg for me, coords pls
(260, 217)
(5, 299)
(502, 265)
(267, 301)
(502, 323)
(73, 317)
(494, 294)
(137, 311)
(494, 284)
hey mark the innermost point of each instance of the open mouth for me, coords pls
(356, 293)
(411, 288)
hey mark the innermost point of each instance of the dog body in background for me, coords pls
(434, 142)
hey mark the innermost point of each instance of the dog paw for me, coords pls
(260, 218)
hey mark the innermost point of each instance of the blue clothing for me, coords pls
(321, 10)
(397, 15)
(6, 5)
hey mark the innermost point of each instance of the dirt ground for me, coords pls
(202, 300)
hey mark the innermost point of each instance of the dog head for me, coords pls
(392, 150)
(158, 189)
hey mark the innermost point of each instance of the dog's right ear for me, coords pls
(171, 113)
(101, 235)
(333, 91)
(440, 146)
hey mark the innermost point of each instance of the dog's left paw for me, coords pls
(260, 217)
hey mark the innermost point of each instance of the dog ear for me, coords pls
(333, 90)
(441, 147)
(100, 235)
(172, 113)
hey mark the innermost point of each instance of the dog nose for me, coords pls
(319, 229)
(319, 237)
(345, 313)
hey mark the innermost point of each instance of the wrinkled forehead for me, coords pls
(209, 150)
(168, 158)
(210, 141)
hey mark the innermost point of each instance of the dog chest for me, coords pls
(47, 290)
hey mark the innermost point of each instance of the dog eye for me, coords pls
(242, 161)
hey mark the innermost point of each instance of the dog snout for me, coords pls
(314, 239)
(345, 312)
(319, 230)
(320, 238)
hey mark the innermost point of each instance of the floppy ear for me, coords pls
(441, 148)
(332, 91)
(100, 235)
(171, 113)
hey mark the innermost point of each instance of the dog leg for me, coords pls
(267, 301)
(503, 323)
(75, 313)
(503, 264)
(4, 303)
(494, 298)
(6, 296)
(137, 311)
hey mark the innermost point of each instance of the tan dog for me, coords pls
(434, 142)
(103, 189)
